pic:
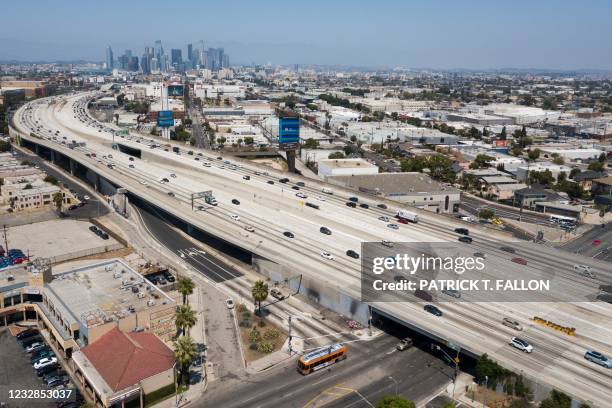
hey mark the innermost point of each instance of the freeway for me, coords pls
(267, 208)
(473, 206)
(595, 243)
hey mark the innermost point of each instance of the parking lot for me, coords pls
(17, 373)
(55, 238)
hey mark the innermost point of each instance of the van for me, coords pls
(327, 191)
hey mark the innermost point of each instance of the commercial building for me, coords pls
(522, 172)
(32, 89)
(571, 154)
(413, 189)
(345, 167)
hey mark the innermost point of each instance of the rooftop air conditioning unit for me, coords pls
(150, 302)
(140, 295)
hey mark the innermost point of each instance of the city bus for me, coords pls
(561, 218)
(321, 358)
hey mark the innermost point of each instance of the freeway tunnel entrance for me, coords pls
(128, 150)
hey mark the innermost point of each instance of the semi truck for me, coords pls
(210, 200)
(407, 215)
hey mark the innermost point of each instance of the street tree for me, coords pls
(486, 214)
(185, 318)
(58, 200)
(534, 154)
(260, 293)
(185, 286)
(395, 401)
(185, 351)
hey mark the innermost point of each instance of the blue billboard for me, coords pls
(175, 90)
(165, 119)
(288, 132)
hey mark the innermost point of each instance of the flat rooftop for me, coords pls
(390, 184)
(346, 163)
(101, 292)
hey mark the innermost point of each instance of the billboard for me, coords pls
(165, 119)
(175, 90)
(288, 132)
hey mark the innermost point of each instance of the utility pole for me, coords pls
(290, 337)
(4, 229)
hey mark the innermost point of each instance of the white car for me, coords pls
(86, 197)
(521, 345)
(584, 270)
(249, 228)
(144, 183)
(384, 219)
(34, 346)
(301, 195)
(229, 303)
(321, 199)
(327, 255)
(235, 217)
(45, 362)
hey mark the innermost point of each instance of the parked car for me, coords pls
(45, 362)
(521, 344)
(598, 358)
(35, 347)
(404, 344)
(46, 369)
(27, 334)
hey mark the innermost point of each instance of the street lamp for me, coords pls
(455, 362)
(484, 394)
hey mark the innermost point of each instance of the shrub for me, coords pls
(253, 346)
(241, 308)
(261, 323)
(254, 336)
(245, 323)
(271, 334)
(246, 314)
(265, 347)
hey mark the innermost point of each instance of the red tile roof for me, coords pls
(124, 359)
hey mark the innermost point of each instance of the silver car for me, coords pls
(512, 323)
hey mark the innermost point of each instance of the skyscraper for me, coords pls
(176, 56)
(190, 52)
(109, 58)
(159, 50)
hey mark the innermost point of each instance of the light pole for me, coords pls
(396, 384)
(455, 362)
(484, 394)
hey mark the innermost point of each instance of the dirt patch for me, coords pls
(119, 253)
(490, 397)
(258, 336)
(277, 163)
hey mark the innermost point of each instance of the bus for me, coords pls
(562, 219)
(321, 358)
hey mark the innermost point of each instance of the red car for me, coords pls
(402, 221)
(520, 261)
(596, 242)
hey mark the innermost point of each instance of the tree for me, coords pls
(58, 200)
(185, 351)
(311, 144)
(561, 177)
(558, 160)
(353, 138)
(534, 154)
(28, 187)
(574, 172)
(482, 161)
(51, 180)
(602, 158)
(475, 133)
(556, 399)
(259, 292)
(503, 135)
(185, 286)
(596, 166)
(185, 318)
(486, 214)
(395, 401)
(221, 140)
(4, 146)
(336, 155)
(248, 140)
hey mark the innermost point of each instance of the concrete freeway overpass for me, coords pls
(474, 326)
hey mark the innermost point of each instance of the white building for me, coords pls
(572, 154)
(522, 172)
(346, 167)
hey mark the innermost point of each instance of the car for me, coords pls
(144, 183)
(246, 177)
(283, 180)
(480, 255)
(235, 202)
(47, 361)
(383, 206)
(393, 226)
(353, 199)
(508, 249)
(598, 358)
(383, 218)
(169, 277)
(465, 240)
(288, 234)
(424, 295)
(31, 340)
(270, 182)
(512, 323)
(325, 230)
(433, 310)
(229, 303)
(35, 347)
(131, 158)
(277, 293)
(295, 187)
(55, 382)
(45, 352)
(27, 334)
(404, 344)
(352, 254)
(520, 261)
(364, 205)
(462, 231)
(327, 255)
(521, 345)
(596, 242)
(249, 228)
(300, 183)
(351, 204)
(86, 197)
(452, 293)
(104, 235)
(402, 221)
(584, 270)
(46, 369)
(301, 195)
(170, 193)
(235, 217)
(387, 243)
(93, 229)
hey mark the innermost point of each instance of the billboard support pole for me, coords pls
(291, 160)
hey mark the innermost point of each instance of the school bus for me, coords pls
(321, 358)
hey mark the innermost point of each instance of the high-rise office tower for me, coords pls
(109, 58)
(190, 52)
(132, 64)
(176, 56)
(154, 64)
(145, 63)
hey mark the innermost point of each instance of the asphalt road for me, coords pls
(93, 208)
(585, 245)
(371, 371)
(214, 269)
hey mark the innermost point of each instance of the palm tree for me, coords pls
(185, 351)
(185, 287)
(185, 318)
(58, 200)
(259, 292)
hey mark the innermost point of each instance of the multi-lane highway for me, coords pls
(264, 209)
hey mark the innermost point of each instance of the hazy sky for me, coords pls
(560, 34)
